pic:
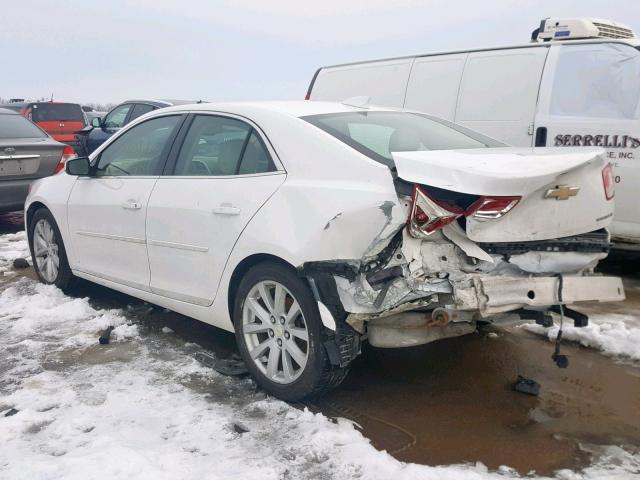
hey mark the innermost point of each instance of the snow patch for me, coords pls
(614, 334)
(12, 246)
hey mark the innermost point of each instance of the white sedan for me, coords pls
(306, 227)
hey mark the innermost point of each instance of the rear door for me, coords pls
(107, 211)
(499, 92)
(590, 97)
(222, 174)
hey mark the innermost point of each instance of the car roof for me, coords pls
(293, 108)
(159, 103)
(6, 111)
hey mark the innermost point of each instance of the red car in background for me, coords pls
(60, 120)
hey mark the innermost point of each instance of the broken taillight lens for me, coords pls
(608, 181)
(67, 154)
(487, 208)
(428, 214)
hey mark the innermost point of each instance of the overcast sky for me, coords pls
(111, 50)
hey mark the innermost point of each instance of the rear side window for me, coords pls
(16, 126)
(53, 112)
(597, 80)
(221, 146)
(140, 109)
(379, 134)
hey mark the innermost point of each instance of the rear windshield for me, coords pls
(16, 126)
(378, 134)
(46, 112)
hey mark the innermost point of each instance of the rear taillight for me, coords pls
(608, 181)
(488, 208)
(428, 214)
(67, 154)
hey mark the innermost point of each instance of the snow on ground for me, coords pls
(143, 408)
(614, 334)
(12, 246)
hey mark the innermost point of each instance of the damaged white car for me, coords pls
(308, 227)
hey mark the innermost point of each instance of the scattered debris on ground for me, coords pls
(526, 385)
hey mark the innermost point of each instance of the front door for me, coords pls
(589, 97)
(107, 210)
(223, 174)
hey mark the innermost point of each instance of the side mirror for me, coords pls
(96, 122)
(78, 167)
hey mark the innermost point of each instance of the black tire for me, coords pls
(64, 279)
(318, 375)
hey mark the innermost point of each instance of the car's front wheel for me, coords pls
(47, 250)
(280, 334)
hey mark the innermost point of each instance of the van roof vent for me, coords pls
(579, 28)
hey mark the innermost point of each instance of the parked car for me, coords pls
(578, 88)
(26, 153)
(102, 127)
(303, 226)
(58, 119)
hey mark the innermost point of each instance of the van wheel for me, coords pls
(280, 334)
(47, 251)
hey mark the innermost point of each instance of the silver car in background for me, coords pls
(26, 154)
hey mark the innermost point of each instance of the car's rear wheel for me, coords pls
(280, 334)
(47, 250)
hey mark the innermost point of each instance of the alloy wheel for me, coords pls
(45, 249)
(275, 332)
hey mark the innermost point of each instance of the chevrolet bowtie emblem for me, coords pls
(562, 192)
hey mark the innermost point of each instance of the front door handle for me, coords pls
(132, 205)
(225, 209)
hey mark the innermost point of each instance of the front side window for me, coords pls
(597, 80)
(379, 134)
(138, 151)
(16, 126)
(221, 146)
(116, 117)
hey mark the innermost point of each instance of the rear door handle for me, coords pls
(131, 205)
(225, 209)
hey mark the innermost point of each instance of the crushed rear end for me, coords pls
(478, 235)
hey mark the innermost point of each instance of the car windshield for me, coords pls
(16, 126)
(47, 112)
(379, 134)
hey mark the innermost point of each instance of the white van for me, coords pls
(576, 84)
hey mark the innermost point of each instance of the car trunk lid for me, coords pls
(562, 189)
(28, 158)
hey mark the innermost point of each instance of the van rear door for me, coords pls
(60, 120)
(499, 92)
(590, 97)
